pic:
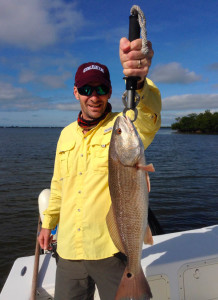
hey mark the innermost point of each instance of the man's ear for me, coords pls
(76, 93)
(110, 92)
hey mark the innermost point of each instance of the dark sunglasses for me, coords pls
(87, 90)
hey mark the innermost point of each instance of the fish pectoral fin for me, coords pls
(113, 230)
(147, 168)
(148, 239)
(148, 182)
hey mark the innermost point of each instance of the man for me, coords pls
(80, 198)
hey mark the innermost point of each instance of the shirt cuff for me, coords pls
(50, 222)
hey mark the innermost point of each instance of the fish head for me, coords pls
(126, 141)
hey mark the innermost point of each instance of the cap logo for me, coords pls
(93, 67)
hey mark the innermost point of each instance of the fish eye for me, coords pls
(118, 131)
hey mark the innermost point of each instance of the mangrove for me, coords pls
(206, 122)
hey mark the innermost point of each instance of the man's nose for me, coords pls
(94, 94)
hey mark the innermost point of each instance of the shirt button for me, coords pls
(80, 173)
(79, 192)
(78, 209)
(78, 229)
(81, 155)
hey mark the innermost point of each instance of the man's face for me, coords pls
(92, 106)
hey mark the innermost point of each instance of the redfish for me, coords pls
(127, 218)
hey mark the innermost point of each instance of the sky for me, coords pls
(42, 43)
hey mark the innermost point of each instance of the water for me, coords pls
(184, 188)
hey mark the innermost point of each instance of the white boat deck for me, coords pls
(183, 265)
(179, 266)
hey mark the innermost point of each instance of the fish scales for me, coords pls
(129, 196)
(129, 210)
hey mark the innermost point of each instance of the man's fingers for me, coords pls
(135, 53)
(136, 72)
(124, 45)
(42, 242)
(127, 46)
(44, 238)
(137, 64)
(134, 62)
(136, 44)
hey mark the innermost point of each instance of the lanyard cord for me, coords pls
(142, 23)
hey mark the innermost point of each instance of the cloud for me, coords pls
(68, 106)
(191, 101)
(48, 80)
(27, 76)
(19, 99)
(8, 92)
(55, 81)
(213, 67)
(215, 86)
(112, 35)
(173, 73)
(37, 23)
(26, 24)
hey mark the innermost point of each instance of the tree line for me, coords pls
(206, 122)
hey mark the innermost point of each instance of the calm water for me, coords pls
(184, 188)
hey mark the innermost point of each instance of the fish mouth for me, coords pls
(129, 123)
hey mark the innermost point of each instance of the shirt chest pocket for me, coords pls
(99, 153)
(66, 157)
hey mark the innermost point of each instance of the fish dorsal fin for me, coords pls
(113, 230)
(148, 239)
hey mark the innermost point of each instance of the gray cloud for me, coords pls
(37, 23)
(48, 80)
(215, 86)
(213, 67)
(55, 81)
(68, 106)
(173, 73)
(14, 98)
(19, 99)
(27, 76)
(116, 103)
(191, 101)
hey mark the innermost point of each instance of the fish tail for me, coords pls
(134, 287)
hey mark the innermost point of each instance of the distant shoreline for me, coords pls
(162, 127)
(31, 127)
(195, 132)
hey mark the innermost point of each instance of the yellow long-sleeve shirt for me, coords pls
(80, 198)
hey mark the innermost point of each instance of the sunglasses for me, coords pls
(87, 90)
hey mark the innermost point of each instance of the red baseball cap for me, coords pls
(92, 71)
